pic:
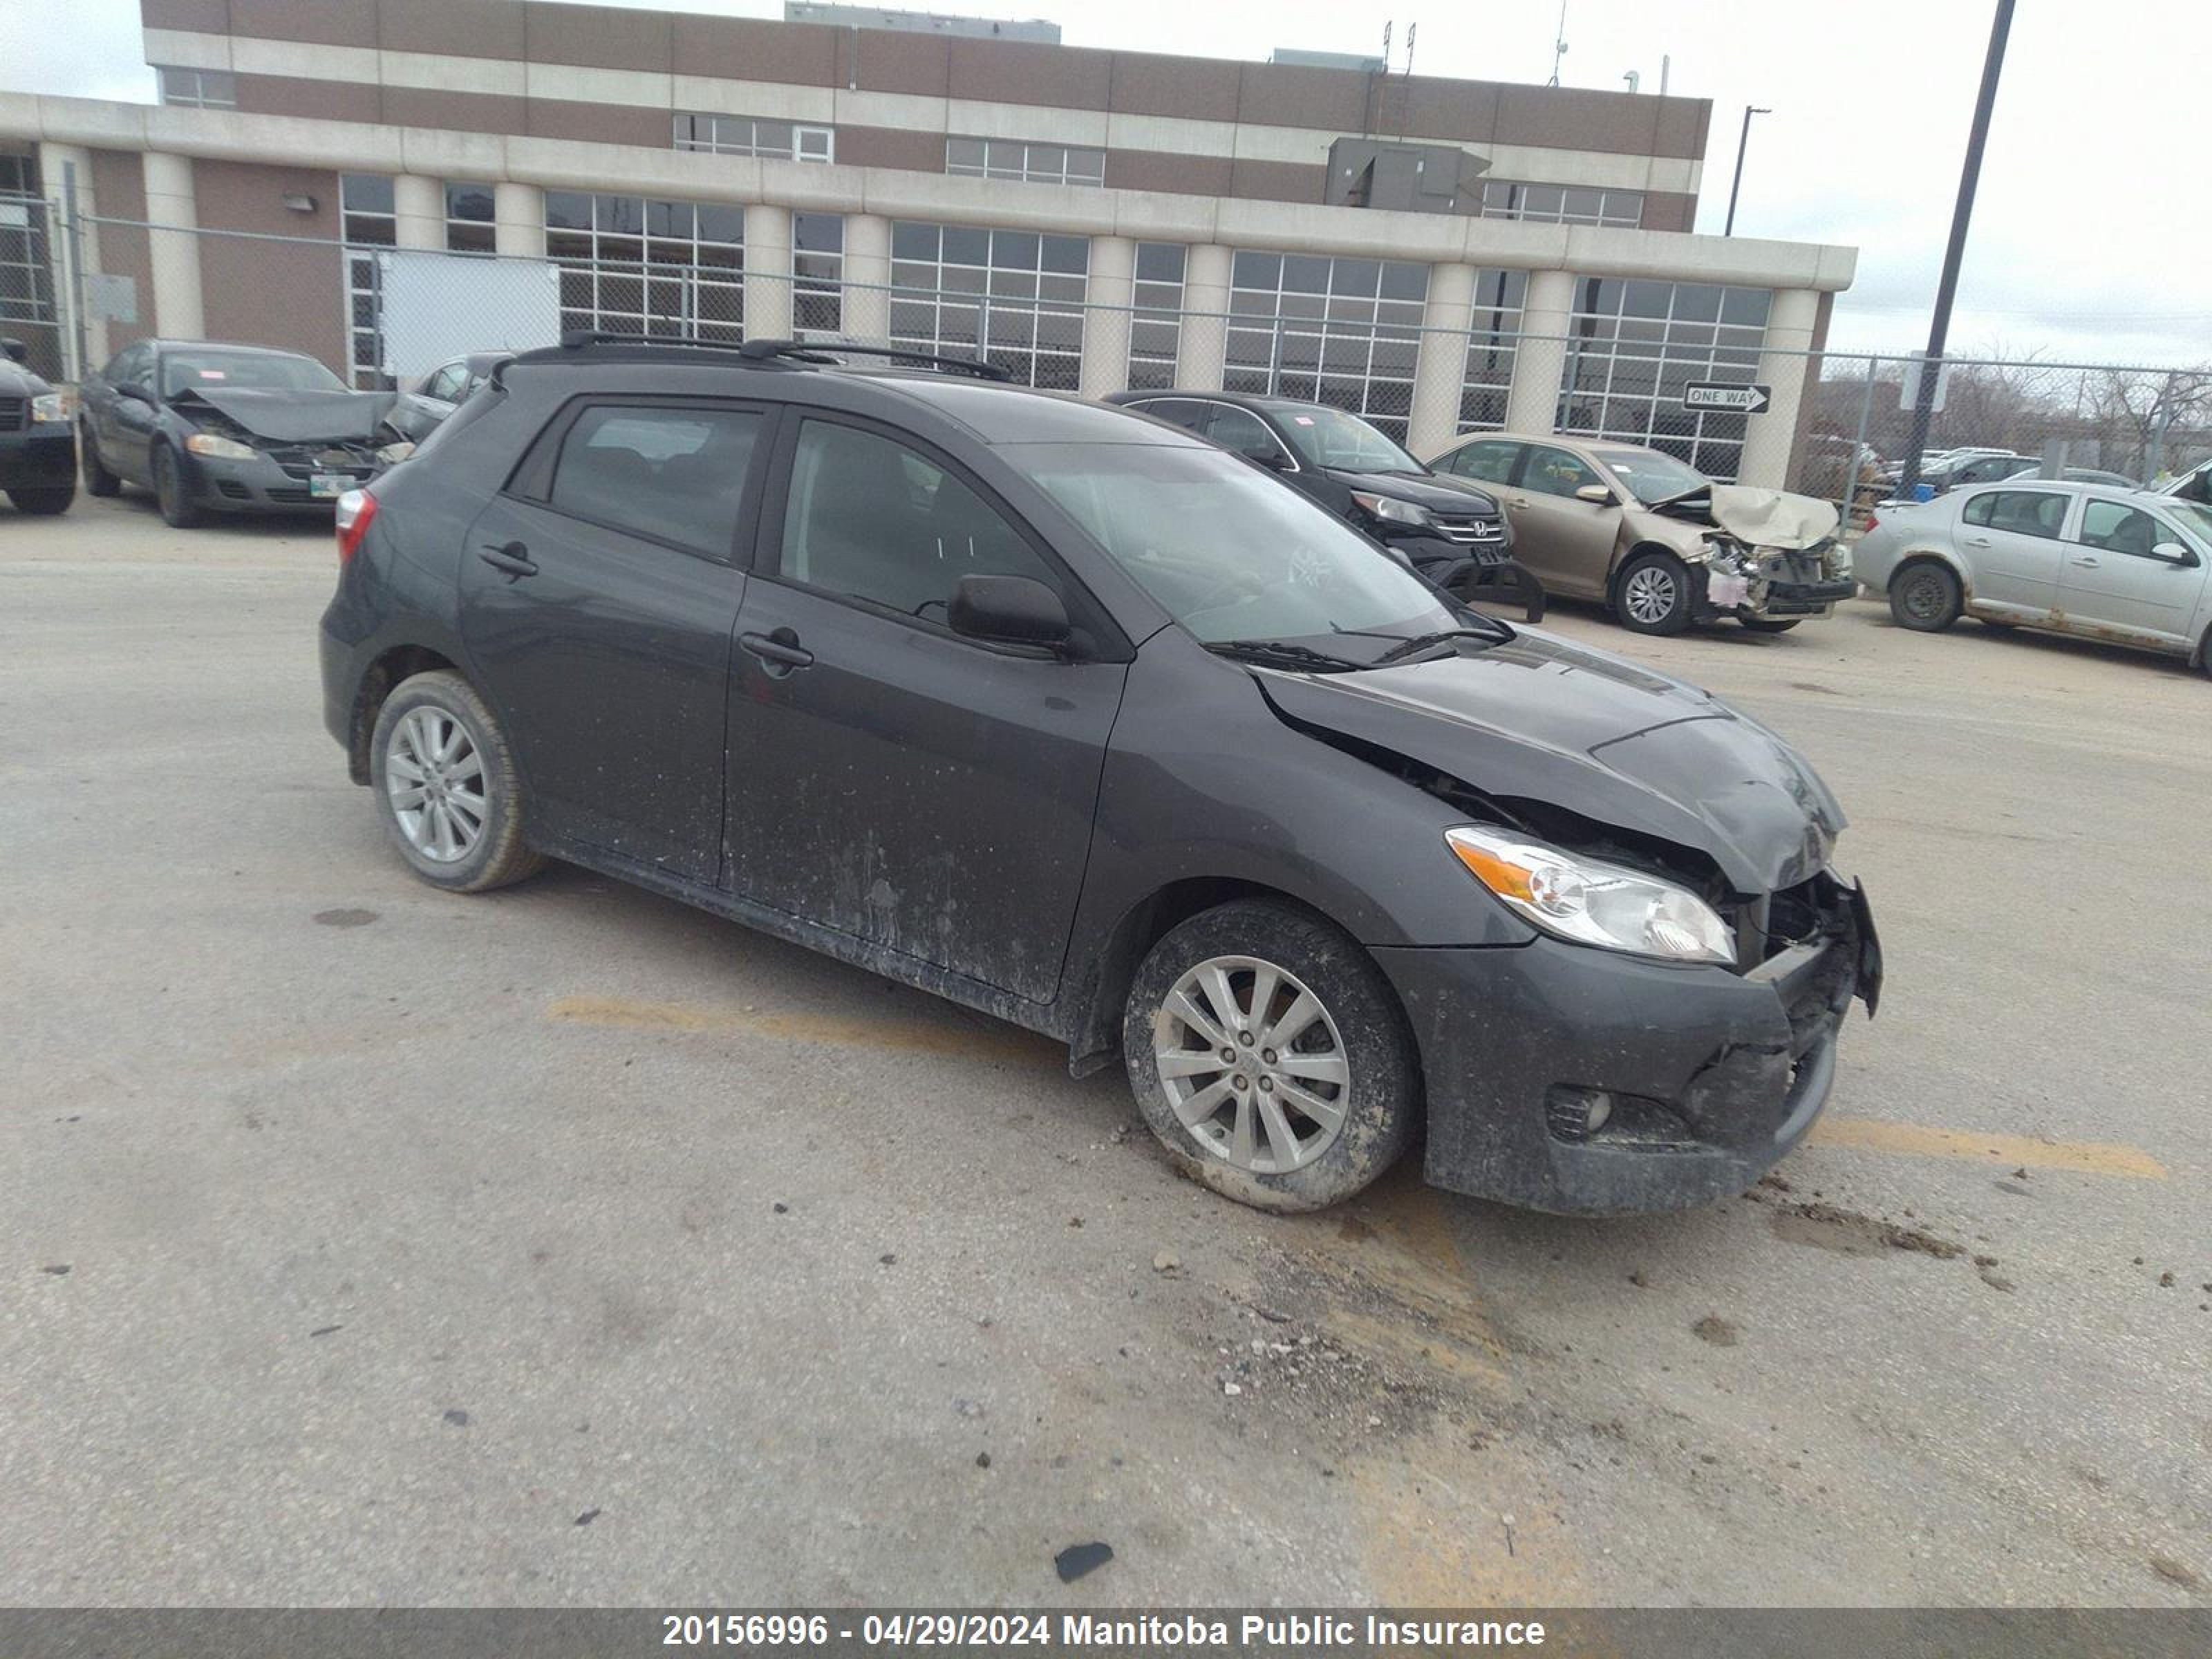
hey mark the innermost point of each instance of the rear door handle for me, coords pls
(1518, 502)
(1977, 541)
(514, 559)
(2092, 564)
(779, 652)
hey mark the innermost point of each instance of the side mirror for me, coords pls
(1595, 495)
(1009, 611)
(15, 351)
(2173, 553)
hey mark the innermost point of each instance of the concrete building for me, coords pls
(1127, 218)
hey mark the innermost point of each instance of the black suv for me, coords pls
(1453, 533)
(38, 454)
(1073, 718)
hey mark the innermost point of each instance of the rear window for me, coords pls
(676, 475)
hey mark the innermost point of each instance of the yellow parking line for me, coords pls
(1861, 1134)
(907, 1036)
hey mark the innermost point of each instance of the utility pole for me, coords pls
(1559, 45)
(1947, 288)
(1742, 144)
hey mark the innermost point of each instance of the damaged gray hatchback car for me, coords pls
(1071, 717)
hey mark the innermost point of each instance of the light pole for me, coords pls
(1946, 287)
(1749, 109)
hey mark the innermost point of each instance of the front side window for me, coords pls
(870, 518)
(1287, 570)
(674, 474)
(2021, 511)
(1241, 430)
(1556, 472)
(2117, 529)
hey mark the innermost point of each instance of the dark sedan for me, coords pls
(37, 458)
(1454, 534)
(230, 428)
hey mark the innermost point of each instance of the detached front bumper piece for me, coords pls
(1585, 1082)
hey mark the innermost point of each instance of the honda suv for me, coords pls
(1073, 718)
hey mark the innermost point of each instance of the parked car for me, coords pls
(421, 406)
(1976, 467)
(2095, 474)
(37, 456)
(230, 428)
(1656, 542)
(2194, 485)
(1069, 716)
(1455, 534)
(2089, 559)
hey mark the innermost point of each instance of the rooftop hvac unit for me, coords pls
(1375, 173)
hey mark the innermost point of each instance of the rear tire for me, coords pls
(171, 493)
(1652, 594)
(1297, 1124)
(446, 786)
(1925, 597)
(42, 503)
(98, 480)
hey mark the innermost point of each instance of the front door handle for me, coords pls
(1518, 502)
(1977, 541)
(779, 652)
(2091, 564)
(513, 559)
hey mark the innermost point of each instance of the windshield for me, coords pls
(1227, 550)
(1330, 438)
(256, 371)
(1649, 476)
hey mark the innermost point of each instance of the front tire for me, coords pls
(446, 786)
(1653, 594)
(171, 493)
(1925, 597)
(44, 502)
(1320, 1090)
(98, 480)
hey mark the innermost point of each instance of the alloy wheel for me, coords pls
(434, 779)
(1648, 596)
(1253, 1064)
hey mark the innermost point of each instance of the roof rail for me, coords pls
(826, 351)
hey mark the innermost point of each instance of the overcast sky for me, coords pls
(2092, 239)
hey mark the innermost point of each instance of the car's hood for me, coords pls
(1538, 719)
(1443, 495)
(291, 417)
(1773, 518)
(17, 381)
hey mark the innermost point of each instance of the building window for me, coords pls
(1021, 293)
(1561, 204)
(1018, 158)
(744, 135)
(368, 221)
(1343, 332)
(1493, 336)
(198, 89)
(818, 273)
(1634, 347)
(632, 264)
(1155, 329)
(469, 227)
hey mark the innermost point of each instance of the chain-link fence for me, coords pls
(30, 306)
(1706, 391)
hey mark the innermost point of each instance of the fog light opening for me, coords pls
(1575, 1113)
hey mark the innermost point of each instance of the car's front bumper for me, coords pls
(41, 456)
(261, 485)
(1711, 1076)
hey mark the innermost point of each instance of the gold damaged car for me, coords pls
(1654, 540)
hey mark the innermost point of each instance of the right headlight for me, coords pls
(1590, 902)
(220, 448)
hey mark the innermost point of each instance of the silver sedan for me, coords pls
(2078, 558)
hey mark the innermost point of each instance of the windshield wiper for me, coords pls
(1281, 653)
(1424, 641)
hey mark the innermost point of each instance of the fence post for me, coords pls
(80, 352)
(1858, 446)
(1275, 359)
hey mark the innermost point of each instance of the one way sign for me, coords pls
(1728, 394)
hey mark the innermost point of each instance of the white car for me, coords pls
(2078, 558)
